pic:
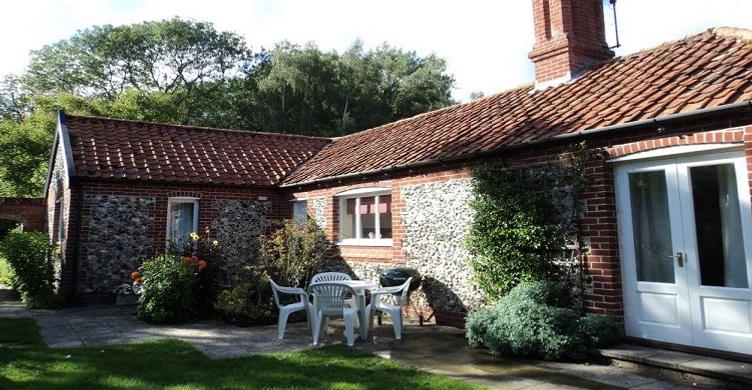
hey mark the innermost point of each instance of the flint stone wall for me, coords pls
(437, 218)
(117, 241)
(319, 212)
(238, 226)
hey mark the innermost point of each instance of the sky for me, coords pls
(485, 43)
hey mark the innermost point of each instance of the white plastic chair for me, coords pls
(390, 300)
(330, 277)
(329, 301)
(325, 277)
(286, 310)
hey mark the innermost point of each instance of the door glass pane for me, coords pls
(651, 227)
(718, 226)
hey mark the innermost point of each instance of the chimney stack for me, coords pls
(570, 37)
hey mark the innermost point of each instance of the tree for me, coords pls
(25, 149)
(304, 90)
(476, 95)
(14, 102)
(162, 56)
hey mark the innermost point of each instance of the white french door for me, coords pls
(684, 238)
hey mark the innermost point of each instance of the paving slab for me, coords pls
(437, 349)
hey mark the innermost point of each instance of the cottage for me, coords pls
(666, 215)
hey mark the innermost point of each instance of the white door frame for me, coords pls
(666, 305)
(706, 316)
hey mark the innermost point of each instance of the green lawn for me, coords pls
(5, 272)
(26, 363)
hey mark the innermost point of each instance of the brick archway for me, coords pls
(30, 212)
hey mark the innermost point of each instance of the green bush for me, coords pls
(534, 320)
(169, 286)
(293, 252)
(205, 250)
(30, 257)
(6, 272)
(513, 236)
(598, 331)
(249, 303)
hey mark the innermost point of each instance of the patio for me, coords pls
(100, 325)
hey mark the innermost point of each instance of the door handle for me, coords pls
(679, 258)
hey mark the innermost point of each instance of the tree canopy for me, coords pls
(187, 72)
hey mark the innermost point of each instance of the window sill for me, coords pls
(365, 242)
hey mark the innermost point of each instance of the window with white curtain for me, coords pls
(299, 209)
(182, 218)
(365, 218)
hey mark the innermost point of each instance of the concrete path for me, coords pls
(437, 349)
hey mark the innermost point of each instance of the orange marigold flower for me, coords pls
(187, 260)
(139, 281)
(201, 265)
(135, 275)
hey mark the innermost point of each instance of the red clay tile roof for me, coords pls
(706, 70)
(120, 149)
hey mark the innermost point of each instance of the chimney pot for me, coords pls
(570, 37)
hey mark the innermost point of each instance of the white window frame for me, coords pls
(294, 201)
(180, 199)
(357, 195)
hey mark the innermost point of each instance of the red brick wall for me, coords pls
(31, 212)
(569, 36)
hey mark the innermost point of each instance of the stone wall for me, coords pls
(319, 211)
(238, 226)
(118, 240)
(437, 218)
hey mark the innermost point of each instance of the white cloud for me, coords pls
(485, 42)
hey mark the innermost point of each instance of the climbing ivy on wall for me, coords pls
(524, 220)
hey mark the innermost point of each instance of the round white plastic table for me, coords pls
(360, 287)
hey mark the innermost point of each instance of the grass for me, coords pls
(25, 363)
(5, 272)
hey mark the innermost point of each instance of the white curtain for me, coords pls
(734, 263)
(182, 221)
(651, 227)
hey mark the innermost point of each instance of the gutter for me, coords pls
(726, 108)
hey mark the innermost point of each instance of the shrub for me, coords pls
(249, 303)
(534, 320)
(513, 237)
(205, 252)
(169, 287)
(6, 272)
(598, 331)
(293, 252)
(30, 257)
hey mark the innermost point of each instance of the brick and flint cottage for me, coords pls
(666, 224)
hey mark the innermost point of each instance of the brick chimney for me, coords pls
(570, 38)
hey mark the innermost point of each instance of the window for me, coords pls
(366, 218)
(59, 208)
(60, 220)
(299, 209)
(182, 218)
